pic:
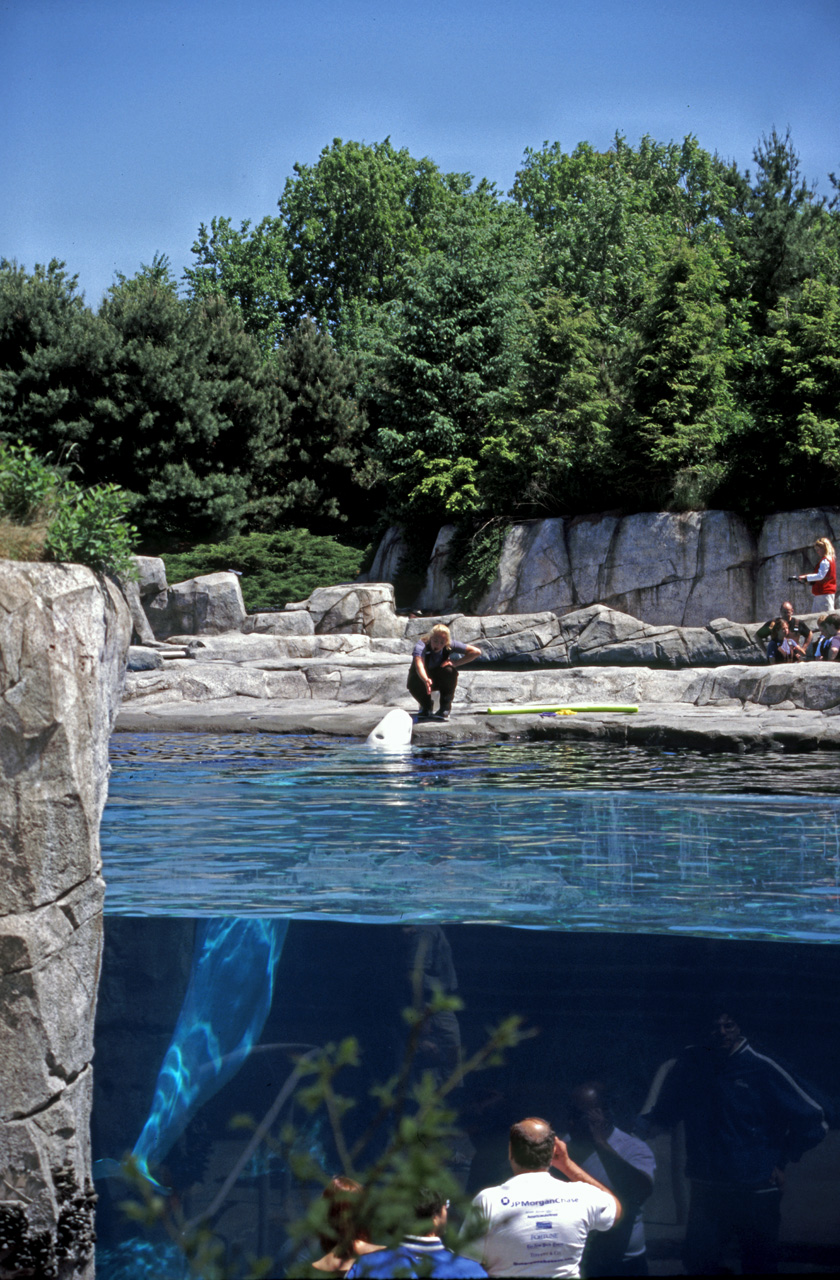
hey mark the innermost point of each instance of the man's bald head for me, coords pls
(531, 1144)
(786, 610)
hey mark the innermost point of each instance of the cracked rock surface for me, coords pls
(64, 636)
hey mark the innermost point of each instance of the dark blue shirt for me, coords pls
(416, 1256)
(432, 658)
(744, 1114)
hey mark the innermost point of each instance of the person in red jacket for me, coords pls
(824, 578)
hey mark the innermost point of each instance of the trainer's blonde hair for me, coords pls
(439, 629)
(827, 548)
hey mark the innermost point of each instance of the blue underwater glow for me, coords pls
(587, 847)
(229, 995)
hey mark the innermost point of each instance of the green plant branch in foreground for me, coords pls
(416, 1116)
(46, 516)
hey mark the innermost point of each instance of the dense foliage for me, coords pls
(276, 567)
(639, 328)
(44, 515)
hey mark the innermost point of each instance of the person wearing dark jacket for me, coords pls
(745, 1118)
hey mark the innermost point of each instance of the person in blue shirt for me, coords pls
(420, 1255)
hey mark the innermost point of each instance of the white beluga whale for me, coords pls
(393, 733)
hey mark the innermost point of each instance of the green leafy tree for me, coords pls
(316, 468)
(791, 455)
(187, 396)
(684, 411)
(607, 220)
(248, 267)
(54, 358)
(353, 220)
(557, 455)
(776, 224)
(454, 356)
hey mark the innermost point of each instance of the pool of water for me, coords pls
(551, 836)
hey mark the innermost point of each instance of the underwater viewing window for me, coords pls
(265, 896)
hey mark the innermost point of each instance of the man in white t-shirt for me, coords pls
(534, 1224)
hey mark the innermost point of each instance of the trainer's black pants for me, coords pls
(444, 681)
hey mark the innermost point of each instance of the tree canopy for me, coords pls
(640, 327)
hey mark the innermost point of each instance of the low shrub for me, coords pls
(276, 567)
(46, 516)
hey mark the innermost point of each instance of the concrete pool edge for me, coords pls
(749, 727)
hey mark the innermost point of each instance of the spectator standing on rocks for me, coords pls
(535, 1224)
(745, 1117)
(434, 664)
(797, 629)
(824, 578)
(780, 647)
(623, 1164)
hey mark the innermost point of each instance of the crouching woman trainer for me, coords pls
(433, 666)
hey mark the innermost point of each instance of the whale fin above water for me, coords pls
(228, 997)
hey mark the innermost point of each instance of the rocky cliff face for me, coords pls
(63, 641)
(666, 569)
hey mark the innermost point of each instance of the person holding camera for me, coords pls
(824, 578)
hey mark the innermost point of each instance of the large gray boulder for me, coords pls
(667, 568)
(151, 576)
(597, 636)
(141, 631)
(353, 607)
(534, 571)
(437, 591)
(205, 605)
(389, 557)
(293, 622)
(64, 636)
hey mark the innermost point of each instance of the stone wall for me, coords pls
(660, 567)
(64, 636)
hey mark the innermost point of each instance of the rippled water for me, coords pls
(554, 836)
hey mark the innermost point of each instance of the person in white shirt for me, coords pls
(535, 1224)
(824, 578)
(621, 1162)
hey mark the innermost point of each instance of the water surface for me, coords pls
(564, 836)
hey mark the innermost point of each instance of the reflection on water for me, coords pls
(556, 836)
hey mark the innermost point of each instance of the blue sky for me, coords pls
(126, 123)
